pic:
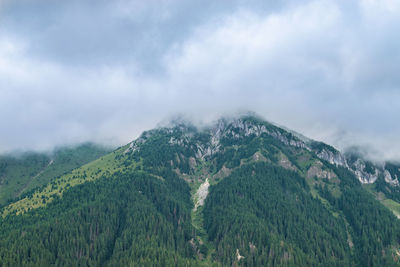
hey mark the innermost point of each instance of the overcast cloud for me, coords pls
(73, 71)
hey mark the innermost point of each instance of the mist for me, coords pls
(105, 71)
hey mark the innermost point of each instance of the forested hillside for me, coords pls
(242, 192)
(21, 173)
(126, 219)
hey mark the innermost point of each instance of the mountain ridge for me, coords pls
(355, 163)
(239, 192)
(207, 142)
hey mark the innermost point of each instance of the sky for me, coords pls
(104, 71)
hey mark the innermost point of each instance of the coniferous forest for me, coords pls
(267, 201)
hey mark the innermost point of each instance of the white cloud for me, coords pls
(324, 68)
(375, 8)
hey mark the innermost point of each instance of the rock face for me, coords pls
(366, 171)
(316, 170)
(366, 177)
(391, 180)
(333, 157)
(237, 129)
(285, 163)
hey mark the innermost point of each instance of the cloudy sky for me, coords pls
(78, 70)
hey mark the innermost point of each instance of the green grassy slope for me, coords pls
(21, 174)
(106, 165)
(16, 173)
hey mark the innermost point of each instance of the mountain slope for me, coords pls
(240, 192)
(20, 174)
(103, 221)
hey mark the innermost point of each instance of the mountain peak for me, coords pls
(202, 142)
(236, 178)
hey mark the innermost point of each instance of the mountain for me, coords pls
(21, 173)
(241, 192)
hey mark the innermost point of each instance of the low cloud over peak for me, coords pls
(105, 71)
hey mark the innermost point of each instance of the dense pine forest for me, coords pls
(242, 193)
